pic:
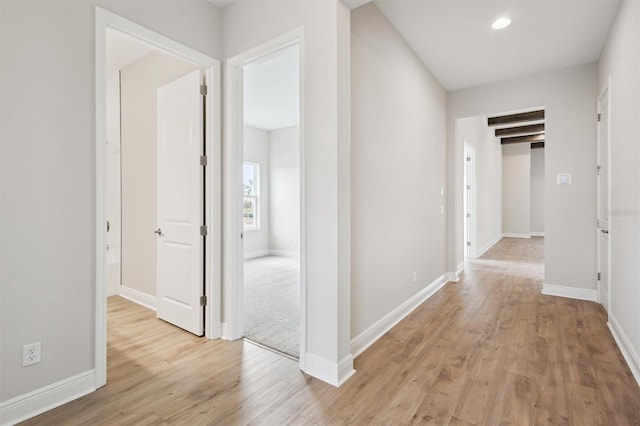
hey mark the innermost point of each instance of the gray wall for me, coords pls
(620, 61)
(47, 175)
(398, 167)
(284, 178)
(139, 88)
(516, 189)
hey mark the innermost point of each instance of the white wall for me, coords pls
(568, 96)
(620, 61)
(326, 117)
(398, 167)
(284, 178)
(256, 150)
(476, 133)
(516, 189)
(47, 175)
(537, 191)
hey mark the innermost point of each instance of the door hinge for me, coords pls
(599, 117)
(203, 90)
(468, 214)
(203, 300)
(203, 160)
(468, 158)
(468, 243)
(468, 186)
(598, 276)
(598, 169)
(203, 230)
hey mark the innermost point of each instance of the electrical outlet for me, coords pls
(31, 354)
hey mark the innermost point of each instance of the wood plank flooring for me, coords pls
(488, 350)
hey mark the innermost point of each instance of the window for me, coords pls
(251, 192)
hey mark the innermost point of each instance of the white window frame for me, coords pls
(256, 197)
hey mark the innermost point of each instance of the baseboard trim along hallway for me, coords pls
(368, 337)
(46, 398)
(625, 346)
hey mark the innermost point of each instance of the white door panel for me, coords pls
(180, 203)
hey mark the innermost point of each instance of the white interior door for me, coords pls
(180, 204)
(603, 201)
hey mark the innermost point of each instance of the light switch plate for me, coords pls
(564, 178)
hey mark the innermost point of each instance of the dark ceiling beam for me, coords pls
(523, 139)
(516, 118)
(520, 130)
(537, 145)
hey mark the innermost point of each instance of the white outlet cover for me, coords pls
(31, 354)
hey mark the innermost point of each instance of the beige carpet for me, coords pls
(272, 302)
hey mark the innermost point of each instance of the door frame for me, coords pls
(105, 20)
(233, 256)
(605, 91)
(469, 171)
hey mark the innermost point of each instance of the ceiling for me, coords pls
(272, 90)
(455, 40)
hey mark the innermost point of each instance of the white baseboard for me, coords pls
(139, 297)
(330, 372)
(537, 234)
(515, 235)
(570, 292)
(629, 353)
(255, 254)
(284, 253)
(31, 404)
(488, 246)
(112, 292)
(368, 337)
(460, 268)
(451, 277)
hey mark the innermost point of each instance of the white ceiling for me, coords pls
(272, 91)
(455, 40)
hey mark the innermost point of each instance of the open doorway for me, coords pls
(154, 128)
(271, 201)
(503, 179)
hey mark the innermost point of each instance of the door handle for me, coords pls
(159, 232)
(108, 226)
(604, 231)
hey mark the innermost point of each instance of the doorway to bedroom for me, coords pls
(271, 201)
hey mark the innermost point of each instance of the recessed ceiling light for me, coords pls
(501, 23)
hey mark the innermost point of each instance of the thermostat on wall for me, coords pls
(564, 178)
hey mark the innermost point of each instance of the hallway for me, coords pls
(489, 349)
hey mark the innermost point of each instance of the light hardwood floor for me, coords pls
(489, 349)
